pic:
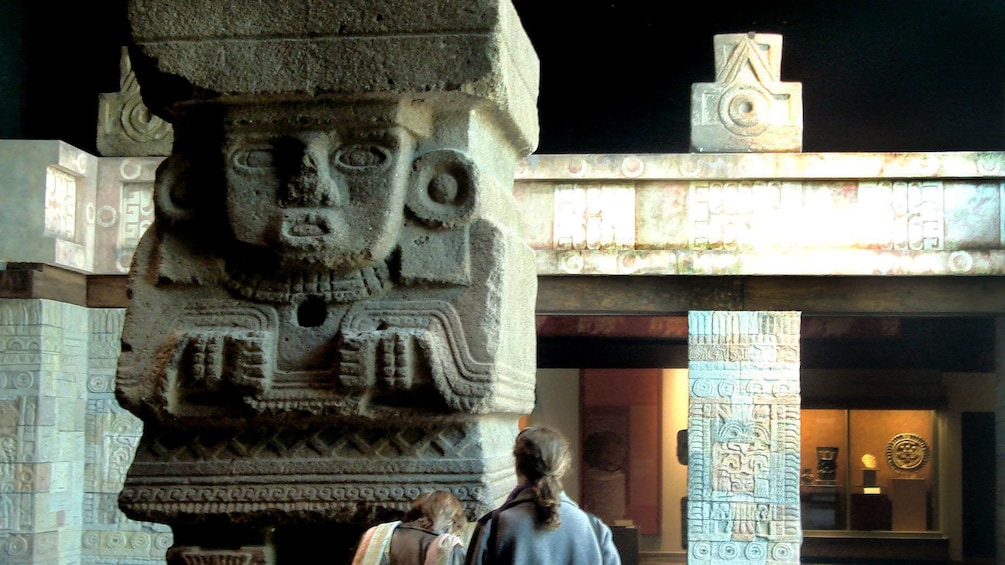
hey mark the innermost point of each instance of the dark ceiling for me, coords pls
(891, 75)
(941, 344)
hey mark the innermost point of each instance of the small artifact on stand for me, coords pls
(869, 484)
(827, 465)
(807, 477)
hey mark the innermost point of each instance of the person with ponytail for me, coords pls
(539, 524)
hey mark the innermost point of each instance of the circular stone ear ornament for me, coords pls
(907, 453)
(444, 186)
(173, 189)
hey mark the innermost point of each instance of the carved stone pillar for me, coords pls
(334, 308)
(743, 438)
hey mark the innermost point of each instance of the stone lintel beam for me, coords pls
(472, 53)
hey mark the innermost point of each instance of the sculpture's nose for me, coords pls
(310, 183)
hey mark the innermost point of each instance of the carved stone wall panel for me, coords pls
(64, 442)
(101, 547)
(111, 436)
(885, 214)
(743, 437)
(30, 549)
(43, 361)
(124, 209)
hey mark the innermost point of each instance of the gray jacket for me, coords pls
(510, 535)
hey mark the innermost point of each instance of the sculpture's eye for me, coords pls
(360, 157)
(254, 159)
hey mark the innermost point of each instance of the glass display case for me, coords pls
(867, 470)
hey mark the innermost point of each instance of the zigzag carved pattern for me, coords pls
(331, 442)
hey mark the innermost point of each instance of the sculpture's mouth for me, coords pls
(306, 225)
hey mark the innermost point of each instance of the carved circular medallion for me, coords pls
(907, 453)
(743, 110)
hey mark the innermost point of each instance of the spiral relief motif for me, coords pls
(138, 123)
(782, 552)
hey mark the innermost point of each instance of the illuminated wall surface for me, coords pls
(765, 214)
(700, 214)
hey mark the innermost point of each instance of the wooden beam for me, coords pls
(636, 295)
(41, 281)
(107, 291)
(851, 295)
(48, 282)
(633, 295)
(962, 295)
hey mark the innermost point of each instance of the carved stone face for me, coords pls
(322, 197)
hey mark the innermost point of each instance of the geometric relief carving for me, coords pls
(327, 445)
(126, 545)
(903, 216)
(61, 219)
(594, 217)
(60, 204)
(118, 444)
(747, 108)
(136, 215)
(748, 216)
(123, 210)
(743, 437)
(327, 472)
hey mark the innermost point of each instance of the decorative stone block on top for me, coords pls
(335, 301)
(126, 128)
(747, 108)
(452, 51)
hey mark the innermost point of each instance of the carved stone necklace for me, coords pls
(289, 286)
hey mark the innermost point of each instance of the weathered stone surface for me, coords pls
(747, 108)
(126, 127)
(346, 286)
(348, 473)
(473, 53)
(333, 309)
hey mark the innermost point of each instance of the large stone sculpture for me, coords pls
(333, 309)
